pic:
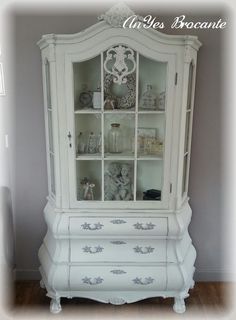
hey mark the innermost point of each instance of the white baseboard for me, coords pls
(200, 275)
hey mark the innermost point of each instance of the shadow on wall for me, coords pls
(6, 246)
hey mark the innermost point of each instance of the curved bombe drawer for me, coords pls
(110, 226)
(100, 250)
(117, 277)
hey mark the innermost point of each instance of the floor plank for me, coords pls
(207, 300)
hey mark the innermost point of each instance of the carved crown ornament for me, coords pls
(117, 14)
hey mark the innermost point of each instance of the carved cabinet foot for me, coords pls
(179, 305)
(55, 305)
(41, 283)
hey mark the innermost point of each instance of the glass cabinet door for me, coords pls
(119, 126)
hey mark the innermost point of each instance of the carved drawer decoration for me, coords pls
(144, 282)
(97, 249)
(95, 226)
(93, 281)
(141, 226)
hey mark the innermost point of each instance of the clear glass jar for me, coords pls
(115, 139)
(149, 99)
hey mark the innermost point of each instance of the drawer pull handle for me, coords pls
(140, 226)
(118, 221)
(146, 250)
(97, 249)
(118, 271)
(95, 281)
(118, 242)
(96, 226)
(144, 282)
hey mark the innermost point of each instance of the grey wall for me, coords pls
(29, 181)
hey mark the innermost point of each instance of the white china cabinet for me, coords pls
(118, 111)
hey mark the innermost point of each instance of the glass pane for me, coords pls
(119, 78)
(119, 134)
(118, 180)
(184, 181)
(190, 84)
(87, 84)
(150, 135)
(52, 170)
(149, 180)
(88, 134)
(89, 180)
(152, 84)
(48, 84)
(188, 115)
(50, 135)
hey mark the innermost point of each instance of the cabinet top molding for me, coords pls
(114, 19)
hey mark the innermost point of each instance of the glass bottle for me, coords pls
(81, 144)
(115, 139)
(149, 99)
(92, 143)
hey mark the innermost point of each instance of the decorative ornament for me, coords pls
(119, 69)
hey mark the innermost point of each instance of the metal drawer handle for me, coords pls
(144, 282)
(118, 221)
(118, 271)
(146, 250)
(148, 226)
(97, 249)
(95, 281)
(118, 242)
(96, 226)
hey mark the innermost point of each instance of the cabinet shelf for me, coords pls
(87, 111)
(87, 156)
(149, 157)
(119, 156)
(143, 111)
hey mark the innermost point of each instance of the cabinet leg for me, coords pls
(41, 283)
(55, 305)
(179, 305)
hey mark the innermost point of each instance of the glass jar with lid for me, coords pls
(115, 139)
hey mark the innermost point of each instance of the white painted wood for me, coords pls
(117, 251)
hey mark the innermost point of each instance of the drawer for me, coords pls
(117, 277)
(100, 250)
(131, 226)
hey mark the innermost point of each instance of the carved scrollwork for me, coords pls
(95, 281)
(116, 300)
(116, 63)
(116, 15)
(146, 250)
(97, 249)
(144, 282)
(140, 226)
(96, 226)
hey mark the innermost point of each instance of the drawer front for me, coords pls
(101, 250)
(117, 277)
(148, 226)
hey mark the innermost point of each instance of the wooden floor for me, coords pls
(207, 300)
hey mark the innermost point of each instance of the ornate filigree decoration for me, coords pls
(96, 226)
(118, 221)
(97, 249)
(118, 271)
(116, 300)
(144, 282)
(139, 249)
(116, 15)
(139, 226)
(119, 69)
(95, 281)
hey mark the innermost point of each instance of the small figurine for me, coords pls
(112, 182)
(110, 103)
(87, 189)
(125, 183)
